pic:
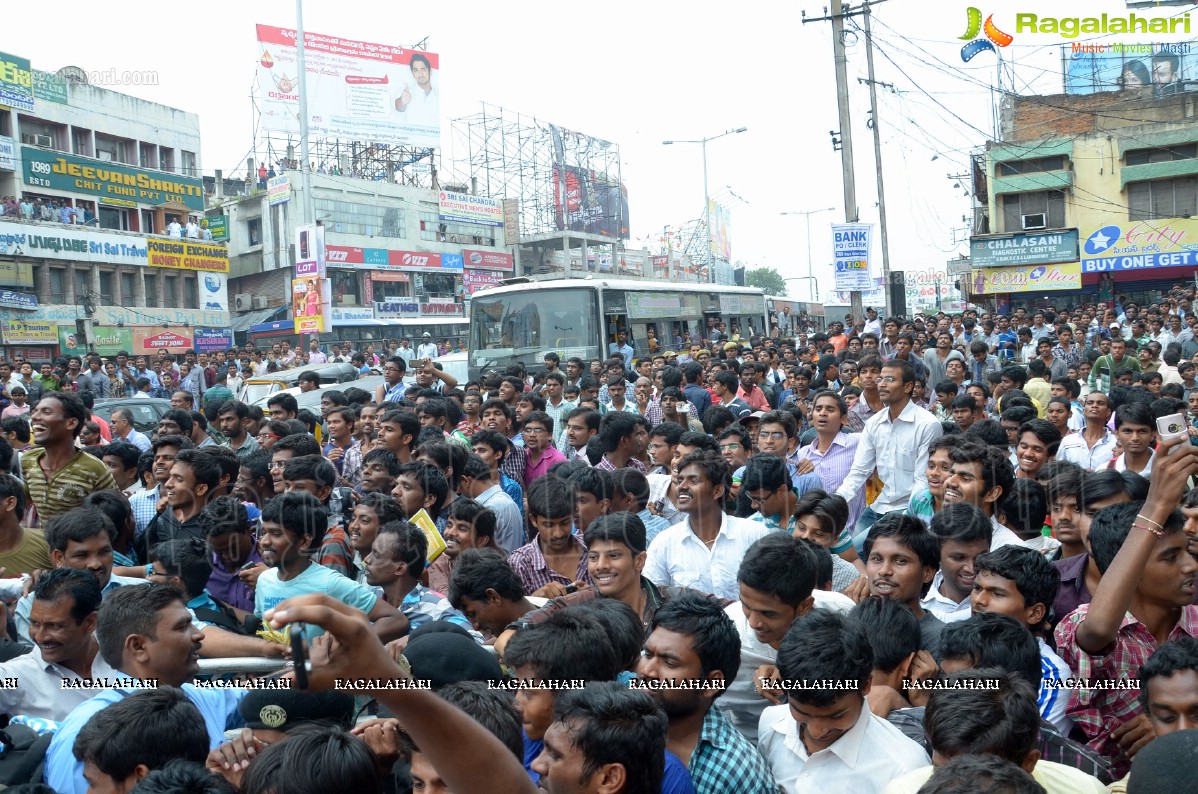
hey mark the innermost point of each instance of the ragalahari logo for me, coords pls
(992, 35)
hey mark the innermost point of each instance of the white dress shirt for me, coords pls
(740, 701)
(899, 451)
(678, 558)
(1075, 450)
(41, 693)
(509, 525)
(941, 605)
(867, 757)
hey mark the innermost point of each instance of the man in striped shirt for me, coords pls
(57, 475)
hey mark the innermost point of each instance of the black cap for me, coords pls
(446, 657)
(283, 709)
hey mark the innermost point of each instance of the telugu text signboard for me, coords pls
(1141, 245)
(356, 90)
(993, 280)
(16, 82)
(80, 244)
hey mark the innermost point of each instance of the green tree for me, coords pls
(767, 279)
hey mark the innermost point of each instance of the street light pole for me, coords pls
(813, 285)
(706, 198)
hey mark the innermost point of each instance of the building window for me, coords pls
(190, 298)
(58, 285)
(83, 141)
(113, 218)
(170, 292)
(106, 280)
(83, 283)
(347, 217)
(1163, 198)
(434, 230)
(1020, 207)
(110, 149)
(128, 289)
(253, 231)
(189, 163)
(1183, 151)
(346, 287)
(151, 280)
(1034, 166)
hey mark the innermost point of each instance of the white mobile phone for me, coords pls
(1172, 426)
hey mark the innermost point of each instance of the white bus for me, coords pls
(524, 319)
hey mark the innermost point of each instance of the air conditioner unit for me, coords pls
(1035, 220)
(259, 303)
(38, 140)
(243, 302)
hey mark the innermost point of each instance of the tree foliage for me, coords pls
(767, 279)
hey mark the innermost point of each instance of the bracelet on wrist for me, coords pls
(1160, 533)
(1146, 520)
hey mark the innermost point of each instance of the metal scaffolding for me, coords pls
(376, 162)
(565, 181)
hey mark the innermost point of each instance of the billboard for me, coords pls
(489, 260)
(59, 171)
(151, 340)
(186, 255)
(850, 255)
(16, 82)
(76, 244)
(474, 280)
(278, 189)
(1024, 248)
(991, 280)
(1115, 67)
(29, 332)
(212, 340)
(307, 305)
(391, 259)
(719, 219)
(465, 208)
(49, 86)
(8, 153)
(356, 90)
(213, 291)
(587, 196)
(1141, 245)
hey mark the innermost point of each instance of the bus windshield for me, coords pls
(521, 327)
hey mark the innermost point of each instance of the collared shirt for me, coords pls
(654, 525)
(514, 465)
(1074, 449)
(559, 413)
(942, 606)
(774, 523)
(137, 439)
(529, 564)
(1052, 700)
(724, 761)
(632, 463)
(422, 605)
(509, 524)
(1073, 591)
(64, 774)
(1053, 779)
(755, 398)
(1119, 464)
(41, 693)
(626, 351)
(249, 446)
(863, 760)
(1099, 712)
(68, 487)
(549, 456)
(833, 468)
(25, 605)
(899, 451)
(860, 413)
(145, 507)
(678, 557)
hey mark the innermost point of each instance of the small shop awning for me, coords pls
(242, 322)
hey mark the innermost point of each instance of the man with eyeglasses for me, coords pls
(392, 389)
(766, 483)
(895, 442)
(538, 437)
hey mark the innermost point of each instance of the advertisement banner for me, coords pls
(17, 300)
(464, 208)
(80, 244)
(8, 154)
(24, 332)
(212, 340)
(16, 274)
(1118, 66)
(348, 315)
(719, 234)
(109, 341)
(442, 310)
(356, 90)
(278, 190)
(219, 226)
(850, 253)
(389, 259)
(186, 255)
(1141, 245)
(49, 86)
(59, 171)
(587, 193)
(309, 251)
(1026, 248)
(16, 82)
(151, 340)
(307, 306)
(214, 291)
(873, 296)
(489, 260)
(393, 310)
(991, 280)
(474, 280)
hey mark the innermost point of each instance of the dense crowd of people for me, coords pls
(934, 554)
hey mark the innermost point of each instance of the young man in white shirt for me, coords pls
(428, 348)
(704, 550)
(827, 739)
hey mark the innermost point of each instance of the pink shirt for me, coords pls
(539, 469)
